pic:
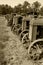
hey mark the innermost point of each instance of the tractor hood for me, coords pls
(36, 21)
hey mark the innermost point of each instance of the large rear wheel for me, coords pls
(35, 50)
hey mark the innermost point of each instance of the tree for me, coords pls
(0, 9)
(26, 6)
(41, 10)
(5, 9)
(17, 9)
(36, 6)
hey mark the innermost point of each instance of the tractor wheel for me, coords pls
(23, 33)
(25, 38)
(19, 31)
(35, 50)
(16, 28)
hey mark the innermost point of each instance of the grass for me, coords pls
(3, 38)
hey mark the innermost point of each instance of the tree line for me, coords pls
(26, 7)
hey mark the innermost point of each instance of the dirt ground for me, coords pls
(14, 51)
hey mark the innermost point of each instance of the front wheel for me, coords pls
(25, 38)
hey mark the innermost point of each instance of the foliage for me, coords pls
(26, 7)
(36, 7)
(41, 10)
(5, 9)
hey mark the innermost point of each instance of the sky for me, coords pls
(16, 2)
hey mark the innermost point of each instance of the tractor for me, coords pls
(9, 18)
(17, 24)
(35, 49)
(25, 28)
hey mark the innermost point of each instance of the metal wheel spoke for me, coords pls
(35, 51)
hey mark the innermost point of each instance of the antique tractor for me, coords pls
(25, 29)
(17, 24)
(9, 18)
(35, 49)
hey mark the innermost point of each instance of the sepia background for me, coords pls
(13, 49)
